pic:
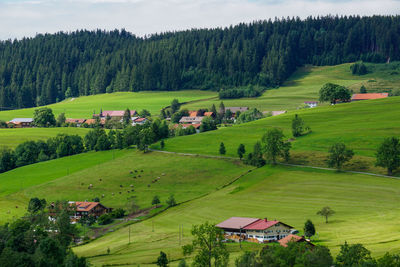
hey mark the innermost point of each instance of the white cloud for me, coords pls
(26, 18)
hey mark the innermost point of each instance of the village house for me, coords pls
(209, 114)
(93, 121)
(191, 120)
(294, 238)
(311, 104)
(77, 122)
(254, 230)
(20, 123)
(368, 96)
(84, 208)
(114, 114)
(138, 121)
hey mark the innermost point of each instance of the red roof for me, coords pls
(369, 96)
(140, 119)
(261, 224)
(208, 114)
(75, 120)
(236, 222)
(192, 113)
(290, 238)
(116, 113)
(85, 206)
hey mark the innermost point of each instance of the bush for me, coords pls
(118, 213)
(358, 68)
(105, 219)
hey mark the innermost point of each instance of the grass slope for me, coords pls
(185, 177)
(366, 212)
(13, 137)
(83, 107)
(305, 83)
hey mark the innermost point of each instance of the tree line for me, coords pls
(51, 67)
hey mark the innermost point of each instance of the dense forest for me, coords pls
(48, 68)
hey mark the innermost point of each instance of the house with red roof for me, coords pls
(293, 238)
(84, 208)
(369, 96)
(254, 229)
(114, 114)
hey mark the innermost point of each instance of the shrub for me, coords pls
(105, 219)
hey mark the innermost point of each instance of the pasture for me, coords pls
(360, 125)
(124, 177)
(85, 106)
(366, 212)
(15, 136)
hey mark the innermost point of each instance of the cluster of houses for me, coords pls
(195, 118)
(116, 115)
(83, 209)
(259, 230)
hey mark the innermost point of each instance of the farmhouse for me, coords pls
(293, 238)
(20, 123)
(277, 112)
(93, 121)
(117, 114)
(368, 96)
(209, 114)
(254, 230)
(311, 104)
(191, 120)
(95, 209)
(138, 121)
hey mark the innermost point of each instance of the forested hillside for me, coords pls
(48, 68)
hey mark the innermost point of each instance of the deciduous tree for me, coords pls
(338, 155)
(274, 145)
(388, 154)
(326, 212)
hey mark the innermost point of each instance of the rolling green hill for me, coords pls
(83, 107)
(110, 174)
(305, 83)
(366, 211)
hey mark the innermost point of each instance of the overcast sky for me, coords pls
(19, 18)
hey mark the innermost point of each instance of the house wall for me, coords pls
(271, 233)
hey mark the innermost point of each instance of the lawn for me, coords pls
(69, 179)
(83, 107)
(13, 137)
(366, 212)
(305, 83)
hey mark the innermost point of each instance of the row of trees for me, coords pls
(51, 67)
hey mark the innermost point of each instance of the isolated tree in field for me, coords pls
(61, 119)
(155, 201)
(175, 105)
(171, 201)
(297, 126)
(326, 212)
(127, 117)
(207, 242)
(309, 229)
(44, 117)
(332, 92)
(338, 155)
(241, 150)
(222, 149)
(275, 146)
(388, 154)
(162, 260)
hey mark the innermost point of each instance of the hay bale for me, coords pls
(112, 193)
(131, 185)
(102, 195)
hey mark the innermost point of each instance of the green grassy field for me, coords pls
(305, 83)
(83, 107)
(68, 178)
(366, 212)
(13, 137)
(361, 125)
